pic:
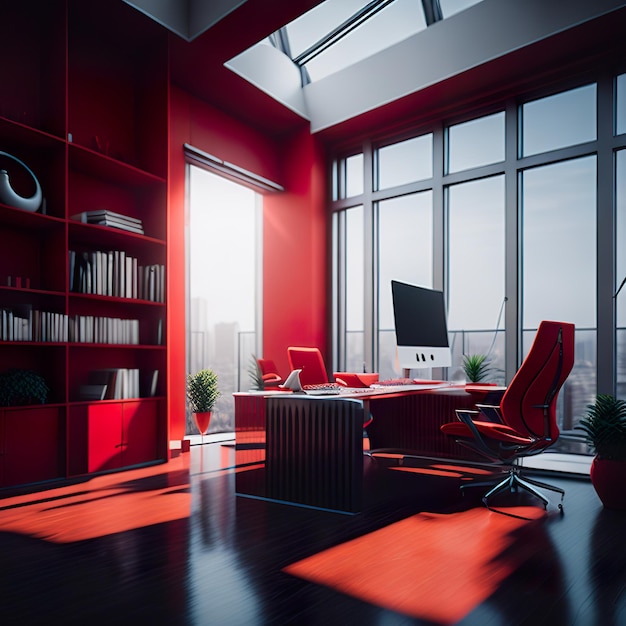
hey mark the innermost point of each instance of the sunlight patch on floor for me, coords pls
(558, 462)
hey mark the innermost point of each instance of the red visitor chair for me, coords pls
(311, 362)
(269, 373)
(527, 412)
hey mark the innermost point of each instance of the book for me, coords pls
(92, 392)
(72, 264)
(149, 383)
(108, 378)
(122, 226)
(111, 219)
(88, 217)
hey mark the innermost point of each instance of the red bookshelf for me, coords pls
(84, 104)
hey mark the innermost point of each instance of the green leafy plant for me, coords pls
(604, 426)
(256, 376)
(476, 367)
(20, 387)
(202, 390)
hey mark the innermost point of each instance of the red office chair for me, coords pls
(269, 373)
(312, 369)
(311, 362)
(527, 412)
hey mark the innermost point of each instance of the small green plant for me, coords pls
(202, 391)
(604, 426)
(256, 376)
(22, 387)
(476, 367)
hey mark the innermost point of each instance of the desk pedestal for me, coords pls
(314, 452)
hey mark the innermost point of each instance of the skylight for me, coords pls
(394, 21)
(355, 54)
(338, 33)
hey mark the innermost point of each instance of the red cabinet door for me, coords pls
(104, 423)
(139, 432)
(32, 446)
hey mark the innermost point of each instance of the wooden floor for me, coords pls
(174, 544)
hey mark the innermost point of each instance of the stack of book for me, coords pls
(119, 384)
(32, 325)
(115, 273)
(104, 217)
(95, 329)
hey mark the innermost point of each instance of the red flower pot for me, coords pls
(202, 421)
(609, 480)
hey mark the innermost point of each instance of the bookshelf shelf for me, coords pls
(92, 163)
(85, 107)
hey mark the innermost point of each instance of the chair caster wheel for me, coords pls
(561, 511)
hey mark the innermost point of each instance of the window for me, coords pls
(564, 119)
(335, 34)
(405, 244)
(355, 281)
(224, 218)
(396, 21)
(476, 271)
(620, 269)
(509, 235)
(354, 176)
(559, 265)
(510, 245)
(475, 143)
(620, 104)
(405, 162)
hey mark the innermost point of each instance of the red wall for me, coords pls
(294, 239)
(295, 253)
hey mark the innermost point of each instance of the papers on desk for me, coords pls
(327, 391)
(416, 387)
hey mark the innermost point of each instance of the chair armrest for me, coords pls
(469, 413)
(490, 413)
(271, 378)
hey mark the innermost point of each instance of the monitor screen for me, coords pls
(421, 326)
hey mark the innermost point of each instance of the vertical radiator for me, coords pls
(314, 452)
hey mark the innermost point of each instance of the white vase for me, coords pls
(10, 197)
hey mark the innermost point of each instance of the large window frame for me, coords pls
(604, 148)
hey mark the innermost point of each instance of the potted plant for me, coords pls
(202, 393)
(22, 387)
(604, 426)
(256, 375)
(476, 367)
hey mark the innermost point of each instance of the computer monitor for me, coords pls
(421, 326)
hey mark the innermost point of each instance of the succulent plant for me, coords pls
(256, 375)
(604, 426)
(202, 390)
(476, 367)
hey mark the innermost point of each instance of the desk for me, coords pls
(410, 421)
(314, 444)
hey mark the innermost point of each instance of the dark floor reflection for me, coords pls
(174, 544)
(607, 568)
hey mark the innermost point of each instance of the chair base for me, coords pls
(513, 482)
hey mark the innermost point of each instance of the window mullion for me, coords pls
(370, 290)
(512, 238)
(605, 215)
